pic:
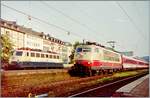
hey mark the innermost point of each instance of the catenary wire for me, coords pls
(69, 17)
(130, 19)
(41, 20)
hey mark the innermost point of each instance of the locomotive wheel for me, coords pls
(114, 71)
(104, 72)
(99, 72)
(108, 71)
(94, 72)
(90, 73)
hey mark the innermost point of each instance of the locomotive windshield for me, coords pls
(83, 49)
(18, 53)
(79, 49)
(86, 50)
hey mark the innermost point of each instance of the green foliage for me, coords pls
(6, 48)
(22, 84)
(125, 74)
(104, 79)
(73, 51)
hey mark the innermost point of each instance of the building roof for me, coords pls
(14, 26)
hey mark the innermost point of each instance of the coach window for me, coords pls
(32, 54)
(37, 54)
(42, 55)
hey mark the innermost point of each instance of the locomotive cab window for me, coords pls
(86, 50)
(79, 49)
(83, 49)
(19, 53)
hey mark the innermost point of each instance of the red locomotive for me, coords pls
(92, 58)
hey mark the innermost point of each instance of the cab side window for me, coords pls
(19, 53)
(27, 53)
(96, 50)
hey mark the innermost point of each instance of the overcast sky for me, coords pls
(125, 22)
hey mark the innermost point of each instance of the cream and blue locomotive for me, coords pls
(35, 59)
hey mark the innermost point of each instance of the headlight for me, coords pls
(89, 62)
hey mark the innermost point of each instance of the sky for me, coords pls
(125, 22)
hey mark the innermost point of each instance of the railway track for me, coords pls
(45, 87)
(72, 82)
(57, 87)
(81, 82)
(26, 72)
(106, 90)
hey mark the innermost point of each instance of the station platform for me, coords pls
(138, 88)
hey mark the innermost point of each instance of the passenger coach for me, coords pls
(133, 63)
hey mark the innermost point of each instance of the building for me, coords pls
(23, 37)
(12, 30)
(69, 51)
(66, 52)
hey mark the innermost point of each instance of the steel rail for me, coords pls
(77, 94)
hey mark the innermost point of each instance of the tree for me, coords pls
(6, 49)
(73, 51)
